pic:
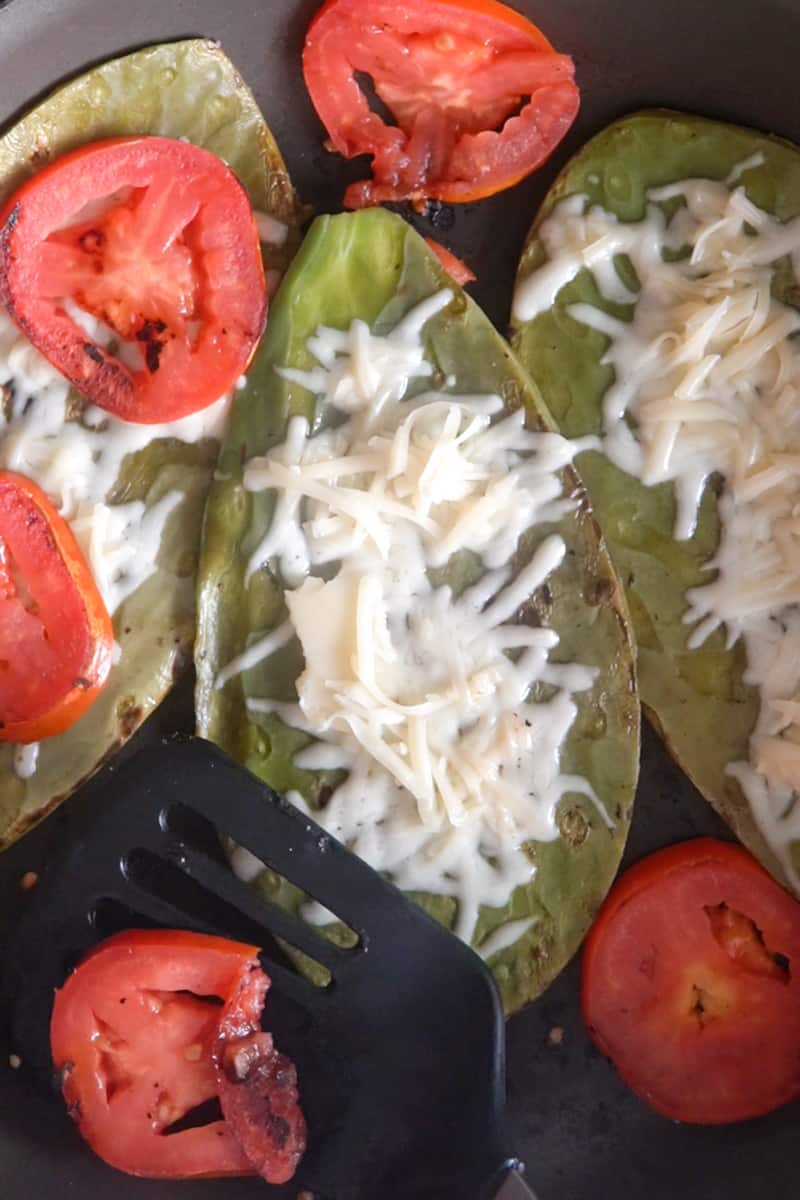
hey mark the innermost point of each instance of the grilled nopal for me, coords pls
(371, 266)
(696, 698)
(190, 90)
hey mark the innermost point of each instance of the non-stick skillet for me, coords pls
(584, 1136)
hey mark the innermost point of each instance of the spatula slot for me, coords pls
(110, 916)
(277, 835)
(168, 886)
(196, 1118)
(167, 881)
(186, 824)
(197, 832)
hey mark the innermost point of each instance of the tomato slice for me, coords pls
(257, 1086)
(132, 1033)
(156, 239)
(479, 95)
(56, 637)
(691, 984)
(454, 266)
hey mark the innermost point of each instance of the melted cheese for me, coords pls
(707, 379)
(25, 760)
(77, 463)
(255, 653)
(270, 230)
(506, 935)
(444, 710)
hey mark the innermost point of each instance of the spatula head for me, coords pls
(400, 1056)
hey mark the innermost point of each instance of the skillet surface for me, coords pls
(583, 1134)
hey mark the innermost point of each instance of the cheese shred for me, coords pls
(707, 380)
(439, 705)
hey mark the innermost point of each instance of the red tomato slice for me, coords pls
(257, 1086)
(156, 239)
(479, 95)
(691, 984)
(451, 263)
(132, 1033)
(56, 637)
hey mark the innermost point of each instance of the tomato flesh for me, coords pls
(134, 1034)
(56, 637)
(154, 238)
(479, 95)
(690, 984)
(454, 266)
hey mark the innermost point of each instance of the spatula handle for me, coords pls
(513, 1186)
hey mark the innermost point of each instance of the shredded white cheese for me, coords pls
(445, 711)
(707, 379)
(504, 936)
(77, 464)
(260, 649)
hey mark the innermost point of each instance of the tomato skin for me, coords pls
(690, 985)
(454, 266)
(452, 72)
(135, 1054)
(172, 264)
(56, 636)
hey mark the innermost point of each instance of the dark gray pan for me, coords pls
(584, 1136)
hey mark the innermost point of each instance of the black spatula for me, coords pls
(400, 1057)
